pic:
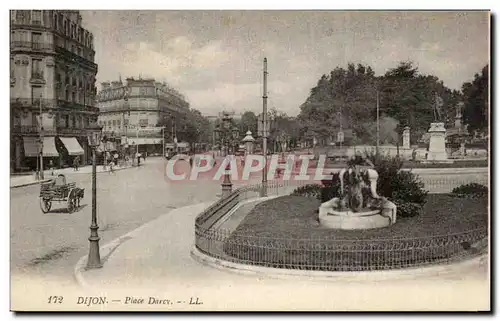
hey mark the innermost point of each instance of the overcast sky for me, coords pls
(215, 57)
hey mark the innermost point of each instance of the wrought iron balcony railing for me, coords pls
(52, 103)
(31, 45)
(32, 129)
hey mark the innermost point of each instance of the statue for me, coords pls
(358, 205)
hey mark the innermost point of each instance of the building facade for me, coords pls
(131, 112)
(52, 73)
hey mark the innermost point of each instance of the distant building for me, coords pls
(52, 67)
(130, 112)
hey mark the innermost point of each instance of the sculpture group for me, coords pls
(358, 205)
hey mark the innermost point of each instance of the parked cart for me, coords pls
(60, 191)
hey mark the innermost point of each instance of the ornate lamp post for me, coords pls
(236, 136)
(218, 135)
(94, 259)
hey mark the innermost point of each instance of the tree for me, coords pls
(248, 122)
(476, 102)
(347, 98)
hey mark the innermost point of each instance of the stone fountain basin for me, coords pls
(349, 220)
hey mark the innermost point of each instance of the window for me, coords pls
(36, 69)
(37, 17)
(23, 16)
(73, 120)
(61, 23)
(55, 22)
(66, 121)
(12, 67)
(36, 40)
(143, 122)
(36, 94)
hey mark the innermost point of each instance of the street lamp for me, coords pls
(236, 136)
(94, 259)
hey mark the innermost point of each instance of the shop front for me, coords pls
(32, 152)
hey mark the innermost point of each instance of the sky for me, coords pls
(215, 58)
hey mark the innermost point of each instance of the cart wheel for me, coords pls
(72, 201)
(45, 204)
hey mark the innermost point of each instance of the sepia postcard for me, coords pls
(249, 160)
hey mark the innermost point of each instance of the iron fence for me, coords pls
(323, 253)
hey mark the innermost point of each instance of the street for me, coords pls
(49, 245)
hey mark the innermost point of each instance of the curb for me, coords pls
(78, 173)
(104, 250)
(347, 276)
(29, 184)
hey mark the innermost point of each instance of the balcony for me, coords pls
(79, 107)
(31, 46)
(33, 102)
(52, 103)
(37, 77)
(75, 58)
(63, 131)
(32, 130)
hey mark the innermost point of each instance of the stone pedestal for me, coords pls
(406, 138)
(437, 148)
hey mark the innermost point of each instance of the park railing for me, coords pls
(324, 253)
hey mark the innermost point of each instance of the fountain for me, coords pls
(358, 206)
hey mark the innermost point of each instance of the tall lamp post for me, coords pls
(94, 258)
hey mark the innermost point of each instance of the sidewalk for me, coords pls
(156, 259)
(29, 179)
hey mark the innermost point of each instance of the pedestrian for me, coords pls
(51, 166)
(138, 159)
(75, 164)
(111, 165)
(145, 155)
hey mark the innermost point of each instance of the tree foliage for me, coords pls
(476, 102)
(348, 98)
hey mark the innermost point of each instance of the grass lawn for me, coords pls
(285, 232)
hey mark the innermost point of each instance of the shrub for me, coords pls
(470, 190)
(404, 188)
(330, 188)
(310, 190)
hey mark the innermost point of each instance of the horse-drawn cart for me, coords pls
(60, 191)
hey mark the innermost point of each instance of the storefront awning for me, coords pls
(32, 145)
(72, 145)
(144, 141)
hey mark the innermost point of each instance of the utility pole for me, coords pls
(41, 140)
(378, 125)
(264, 131)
